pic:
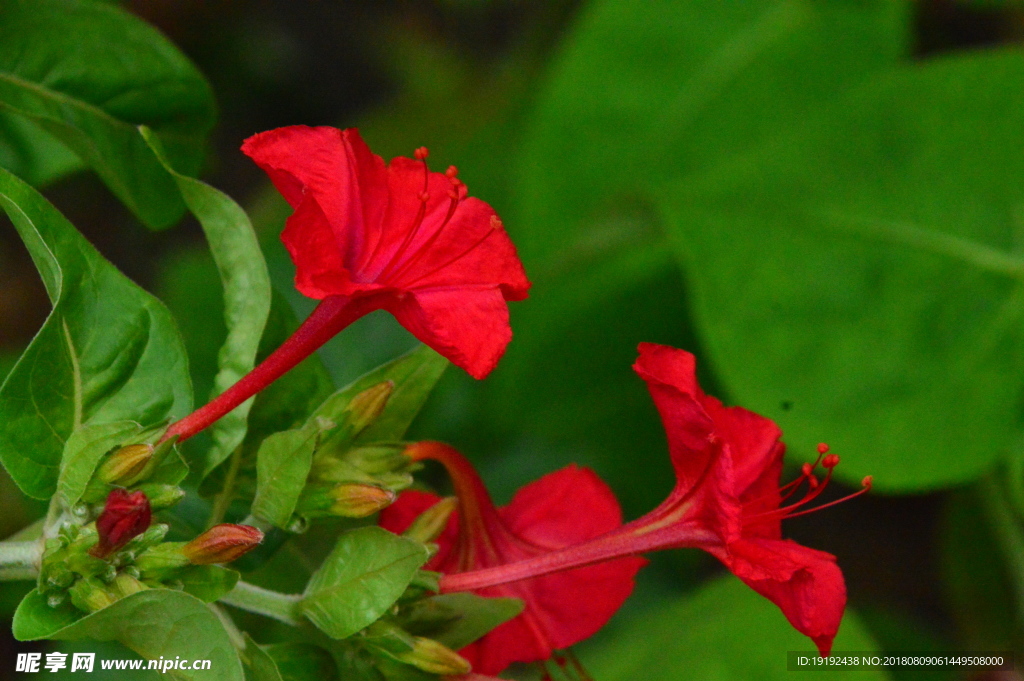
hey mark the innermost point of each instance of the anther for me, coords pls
(451, 172)
(822, 448)
(424, 196)
(830, 461)
(867, 482)
(422, 153)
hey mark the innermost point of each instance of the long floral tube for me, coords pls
(332, 315)
(630, 540)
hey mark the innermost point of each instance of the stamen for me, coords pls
(815, 488)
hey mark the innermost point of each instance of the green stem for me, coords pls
(281, 607)
(1008, 534)
(227, 493)
(20, 559)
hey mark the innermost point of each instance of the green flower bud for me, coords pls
(89, 595)
(434, 658)
(126, 585)
(348, 500)
(161, 561)
(162, 496)
(126, 465)
(429, 525)
(366, 407)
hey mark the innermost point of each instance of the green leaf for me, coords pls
(155, 623)
(33, 154)
(60, 70)
(108, 352)
(867, 269)
(363, 576)
(246, 282)
(303, 662)
(207, 582)
(693, 82)
(723, 632)
(35, 619)
(259, 666)
(282, 466)
(461, 617)
(83, 452)
(414, 375)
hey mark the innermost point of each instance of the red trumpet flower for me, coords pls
(561, 509)
(367, 236)
(726, 501)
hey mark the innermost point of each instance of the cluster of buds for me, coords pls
(387, 639)
(122, 553)
(129, 467)
(349, 478)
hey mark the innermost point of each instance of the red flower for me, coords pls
(726, 501)
(563, 508)
(367, 236)
(124, 517)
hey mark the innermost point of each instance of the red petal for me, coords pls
(336, 171)
(806, 584)
(672, 382)
(468, 326)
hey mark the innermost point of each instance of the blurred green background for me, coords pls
(822, 199)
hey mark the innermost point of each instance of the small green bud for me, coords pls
(160, 561)
(162, 496)
(366, 407)
(125, 465)
(126, 585)
(434, 658)
(429, 525)
(89, 595)
(348, 500)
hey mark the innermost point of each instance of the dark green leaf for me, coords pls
(60, 70)
(207, 582)
(363, 576)
(156, 623)
(867, 268)
(723, 632)
(246, 284)
(282, 466)
(109, 351)
(303, 662)
(31, 153)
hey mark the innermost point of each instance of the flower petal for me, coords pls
(468, 326)
(671, 379)
(806, 584)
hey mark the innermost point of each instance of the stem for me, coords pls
(332, 315)
(279, 606)
(20, 559)
(227, 492)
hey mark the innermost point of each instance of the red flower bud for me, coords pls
(125, 516)
(222, 544)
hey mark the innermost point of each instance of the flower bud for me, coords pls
(125, 515)
(359, 501)
(429, 525)
(160, 561)
(367, 406)
(89, 594)
(347, 499)
(434, 658)
(162, 496)
(126, 465)
(222, 544)
(126, 585)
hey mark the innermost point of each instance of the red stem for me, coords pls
(332, 315)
